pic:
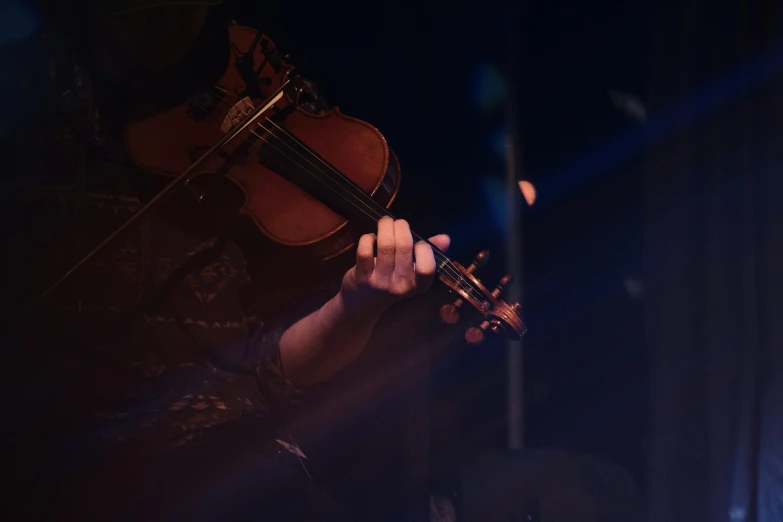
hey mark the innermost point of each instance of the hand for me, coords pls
(401, 269)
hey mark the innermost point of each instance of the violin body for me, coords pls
(171, 141)
(313, 181)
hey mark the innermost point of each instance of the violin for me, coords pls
(309, 181)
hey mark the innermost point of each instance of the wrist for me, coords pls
(361, 307)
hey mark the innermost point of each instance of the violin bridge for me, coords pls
(237, 113)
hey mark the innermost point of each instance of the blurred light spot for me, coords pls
(634, 287)
(737, 513)
(629, 104)
(17, 22)
(489, 88)
(528, 191)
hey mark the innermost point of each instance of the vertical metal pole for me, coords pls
(516, 405)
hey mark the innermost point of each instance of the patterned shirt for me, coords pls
(157, 340)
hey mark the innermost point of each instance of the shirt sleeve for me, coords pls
(258, 354)
(264, 351)
(279, 391)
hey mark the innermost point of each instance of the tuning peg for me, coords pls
(479, 261)
(475, 335)
(502, 284)
(449, 313)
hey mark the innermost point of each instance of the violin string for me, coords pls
(340, 177)
(358, 194)
(380, 210)
(444, 262)
(446, 265)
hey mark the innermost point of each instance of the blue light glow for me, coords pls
(489, 87)
(17, 22)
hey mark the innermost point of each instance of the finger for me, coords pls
(384, 263)
(365, 257)
(425, 266)
(403, 250)
(442, 241)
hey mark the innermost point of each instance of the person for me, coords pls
(156, 385)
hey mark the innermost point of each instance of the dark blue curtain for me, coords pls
(714, 261)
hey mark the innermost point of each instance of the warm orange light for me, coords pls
(529, 191)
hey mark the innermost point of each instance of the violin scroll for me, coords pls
(498, 315)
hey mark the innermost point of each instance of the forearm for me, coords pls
(321, 344)
(317, 347)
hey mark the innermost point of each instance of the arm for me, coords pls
(318, 346)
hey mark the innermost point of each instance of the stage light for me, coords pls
(528, 191)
